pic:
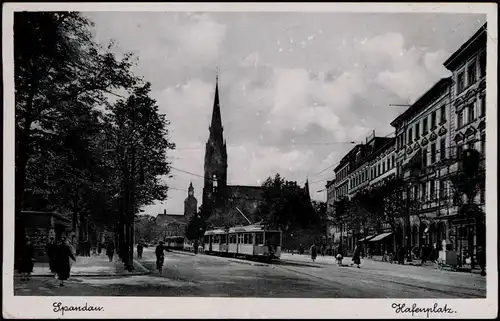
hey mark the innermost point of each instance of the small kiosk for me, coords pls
(447, 257)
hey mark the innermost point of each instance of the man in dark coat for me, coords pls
(63, 265)
(50, 250)
(140, 248)
(110, 250)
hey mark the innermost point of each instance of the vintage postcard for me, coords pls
(244, 160)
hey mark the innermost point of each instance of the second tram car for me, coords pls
(174, 242)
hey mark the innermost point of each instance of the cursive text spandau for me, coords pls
(59, 307)
(414, 309)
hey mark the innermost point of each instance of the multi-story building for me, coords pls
(333, 230)
(468, 130)
(431, 137)
(423, 138)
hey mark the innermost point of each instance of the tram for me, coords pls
(251, 241)
(174, 242)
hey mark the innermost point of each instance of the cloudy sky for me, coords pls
(295, 88)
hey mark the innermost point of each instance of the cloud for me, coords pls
(278, 95)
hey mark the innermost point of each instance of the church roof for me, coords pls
(170, 218)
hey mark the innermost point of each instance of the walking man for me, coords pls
(110, 250)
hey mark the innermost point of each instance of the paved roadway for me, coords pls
(185, 274)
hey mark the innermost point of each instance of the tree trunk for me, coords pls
(22, 153)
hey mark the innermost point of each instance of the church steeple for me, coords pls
(215, 156)
(216, 128)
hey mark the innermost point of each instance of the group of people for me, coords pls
(60, 255)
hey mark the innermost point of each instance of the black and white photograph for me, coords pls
(217, 152)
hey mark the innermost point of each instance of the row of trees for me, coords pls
(90, 140)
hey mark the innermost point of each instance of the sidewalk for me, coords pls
(93, 266)
(376, 260)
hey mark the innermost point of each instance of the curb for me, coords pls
(84, 275)
(241, 261)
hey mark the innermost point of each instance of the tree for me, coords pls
(196, 227)
(467, 182)
(61, 76)
(285, 206)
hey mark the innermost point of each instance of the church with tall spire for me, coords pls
(223, 204)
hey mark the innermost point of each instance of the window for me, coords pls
(424, 157)
(483, 106)
(442, 189)
(483, 144)
(383, 167)
(410, 136)
(424, 126)
(388, 163)
(482, 64)
(433, 153)
(417, 130)
(471, 113)
(393, 161)
(259, 238)
(460, 82)
(443, 114)
(379, 172)
(471, 146)
(471, 73)
(442, 149)
(424, 191)
(459, 151)
(432, 189)
(460, 119)
(415, 192)
(433, 119)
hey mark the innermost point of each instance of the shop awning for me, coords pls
(364, 239)
(380, 237)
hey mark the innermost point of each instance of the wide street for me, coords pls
(185, 274)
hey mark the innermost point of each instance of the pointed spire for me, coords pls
(216, 116)
(306, 187)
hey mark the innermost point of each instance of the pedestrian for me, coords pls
(99, 248)
(160, 257)
(140, 248)
(314, 252)
(301, 249)
(110, 250)
(195, 247)
(63, 263)
(50, 250)
(356, 255)
(27, 260)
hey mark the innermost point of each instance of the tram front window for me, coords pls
(273, 238)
